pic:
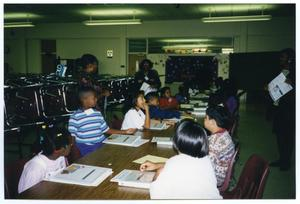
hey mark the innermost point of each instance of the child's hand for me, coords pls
(148, 166)
(146, 107)
(169, 122)
(131, 131)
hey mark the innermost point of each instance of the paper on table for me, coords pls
(151, 158)
(278, 87)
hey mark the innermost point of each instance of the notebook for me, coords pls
(134, 178)
(158, 126)
(151, 158)
(187, 106)
(199, 109)
(196, 113)
(162, 141)
(125, 140)
(80, 174)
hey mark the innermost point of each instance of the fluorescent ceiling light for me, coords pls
(236, 18)
(113, 12)
(185, 40)
(18, 24)
(219, 8)
(187, 46)
(20, 15)
(112, 22)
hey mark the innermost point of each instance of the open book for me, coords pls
(278, 87)
(134, 178)
(162, 141)
(199, 109)
(80, 174)
(158, 126)
(186, 106)
(125, 140)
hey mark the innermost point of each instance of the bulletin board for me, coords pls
(196, 71)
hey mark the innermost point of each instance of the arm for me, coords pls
(129, 131)
(147, 118)
(150, 166)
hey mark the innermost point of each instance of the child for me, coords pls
(183, 95)
(167, 101)
(221, 147)
(88, 77)
(188, 175)
(87, 125)
(55, 145)
(135, 117)
(156, 112)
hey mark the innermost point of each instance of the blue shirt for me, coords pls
(87, 126)
(156, 112)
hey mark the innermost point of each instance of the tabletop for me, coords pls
(110, 156)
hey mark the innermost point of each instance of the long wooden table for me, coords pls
(111, 156)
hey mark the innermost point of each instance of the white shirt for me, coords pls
(186, 177)
(39, 168)
(134, 119)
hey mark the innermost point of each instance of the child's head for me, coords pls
(217, 117)
(55, 141)
(138, 100)
(166, 92)
(152, 99)
(87, 97)
(89, 63)
(191, 139)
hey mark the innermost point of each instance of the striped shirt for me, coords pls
(87, 126)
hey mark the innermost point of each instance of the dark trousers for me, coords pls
(286, 146)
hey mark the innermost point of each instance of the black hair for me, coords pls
(85, 89)
(191, 139)
(87, 59)
(151, 96)
(221, 115)
(134, 98)
(163, 90)
(53, 138)
(289, 52)
(141, 65)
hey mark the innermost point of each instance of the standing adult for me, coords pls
(284, 121)
(147, 74)
(88, 77)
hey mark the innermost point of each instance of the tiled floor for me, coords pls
(255, 136)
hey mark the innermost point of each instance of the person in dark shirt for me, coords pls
(88, 78)
(285, 116)
(147, 74)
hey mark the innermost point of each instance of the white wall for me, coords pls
(75, 39)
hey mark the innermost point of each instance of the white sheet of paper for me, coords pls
(147, 88)
(152, 158)
(278, 87)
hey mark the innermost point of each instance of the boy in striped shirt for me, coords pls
(87, 125)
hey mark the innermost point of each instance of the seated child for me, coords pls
(183, 95)
(221, 146)
(54, 144)
(135, 117)
(87, 125)
(156, 112)
(167, 101)
(188, 175)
